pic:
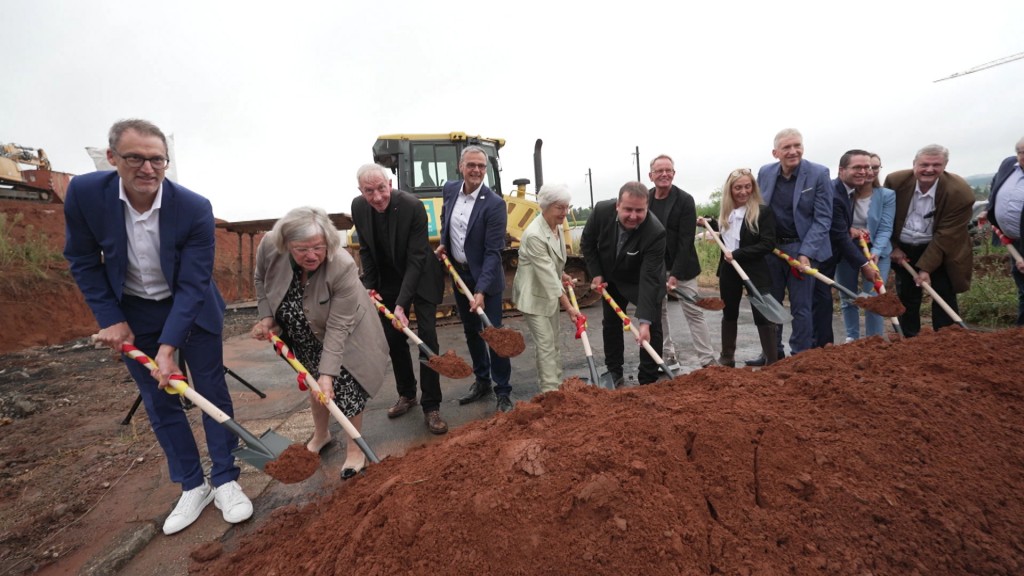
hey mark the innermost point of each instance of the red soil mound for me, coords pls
(864, 458)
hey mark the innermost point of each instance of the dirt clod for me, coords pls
(295, 464)
(207, 552)
(505, 342)
(887, 305)
(711, 303)
(451, 365)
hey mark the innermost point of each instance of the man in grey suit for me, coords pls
(799, 194)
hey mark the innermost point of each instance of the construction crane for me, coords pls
(984, 66)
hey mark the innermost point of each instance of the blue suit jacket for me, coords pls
(96, 246)
(485, 236)
(812, 205)
(881, 213)
(1005, 169)
(839, 233)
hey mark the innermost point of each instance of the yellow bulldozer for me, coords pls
(423, 163)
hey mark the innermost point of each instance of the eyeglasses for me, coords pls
(302, 251)
(476, 166)
(860, 168)
(136, 161)
(663, 171)
(739, 172)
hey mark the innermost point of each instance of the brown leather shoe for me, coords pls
(435, 423)
(401, 406)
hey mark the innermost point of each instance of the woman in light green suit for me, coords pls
(537, 289)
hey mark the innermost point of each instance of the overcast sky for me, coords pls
(275, 105)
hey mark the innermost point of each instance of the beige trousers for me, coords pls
(544, 330)
(695, 320)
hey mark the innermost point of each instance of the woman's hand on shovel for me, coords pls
(326, 385)
(264, 328)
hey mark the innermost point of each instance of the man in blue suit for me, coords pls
(141, 249)
(854, 170)
(473, 220)
(1004, 211)
(799, 194)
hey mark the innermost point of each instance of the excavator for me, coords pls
(423, 163)
(40, 184)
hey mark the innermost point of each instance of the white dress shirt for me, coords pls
(731, 236)
(1009, 201)
(920, 223)
(459, 222)
(144, 277)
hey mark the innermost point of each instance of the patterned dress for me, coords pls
(349, 396)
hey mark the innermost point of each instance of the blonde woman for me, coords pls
(748, 232)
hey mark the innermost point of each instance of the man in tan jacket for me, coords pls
(933, 208)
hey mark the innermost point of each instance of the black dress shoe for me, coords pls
(504, 403)
(347, 473)
(759, 361)
(477, 391)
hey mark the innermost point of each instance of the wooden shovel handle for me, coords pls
(931, 292)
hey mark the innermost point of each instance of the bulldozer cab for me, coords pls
(425, 162)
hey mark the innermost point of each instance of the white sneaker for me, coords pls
(849, 340)
(232, 502)
(188, 508)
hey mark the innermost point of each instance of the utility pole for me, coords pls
(637, 154)
(590, 180)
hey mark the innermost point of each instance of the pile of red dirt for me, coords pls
(43, 307)
(866, 458)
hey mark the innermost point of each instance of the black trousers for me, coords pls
(401, 356)
(911, 295)
(613, 334)
(731, 286)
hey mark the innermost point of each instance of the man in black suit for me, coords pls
(854, 170)
(397, 262)
(625, 248)
(1004, 211)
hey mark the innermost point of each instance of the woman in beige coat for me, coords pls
(537, 288)
(308, 291)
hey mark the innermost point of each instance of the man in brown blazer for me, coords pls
(933, 208)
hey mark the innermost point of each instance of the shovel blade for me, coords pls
(268, 447)
(770, 308)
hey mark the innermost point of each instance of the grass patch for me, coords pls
(708, 254)
(991, 301)
(32, 254)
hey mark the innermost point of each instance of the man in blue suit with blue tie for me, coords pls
(473, 221)
(854, 170)
(799, 194)
(141, 249)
